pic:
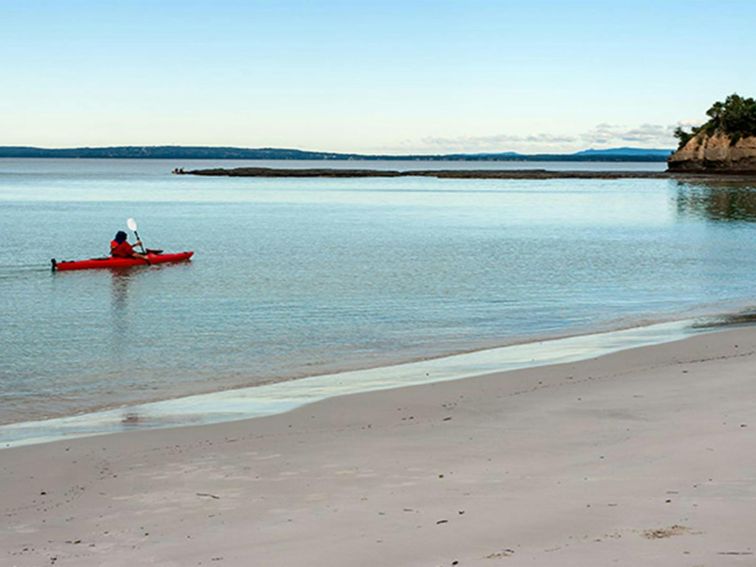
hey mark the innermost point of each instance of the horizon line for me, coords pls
(329, 152)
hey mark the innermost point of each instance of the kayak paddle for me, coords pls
(131, 223)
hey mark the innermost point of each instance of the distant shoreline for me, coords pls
(458, 173)
(234, 153)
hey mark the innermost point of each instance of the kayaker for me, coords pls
(119, 248)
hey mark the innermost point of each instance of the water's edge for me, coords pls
(275, 398)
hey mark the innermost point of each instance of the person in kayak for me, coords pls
(119, 248)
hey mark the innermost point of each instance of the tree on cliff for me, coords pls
(735, 117)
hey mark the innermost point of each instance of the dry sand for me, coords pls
(644, 457)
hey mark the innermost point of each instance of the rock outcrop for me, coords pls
(715, 154)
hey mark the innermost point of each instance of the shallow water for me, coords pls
(299, 277)
(279, 397)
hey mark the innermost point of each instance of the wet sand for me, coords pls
(643, 457)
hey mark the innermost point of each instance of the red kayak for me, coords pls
(110, 262)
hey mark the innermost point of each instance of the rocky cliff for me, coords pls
(715, 154)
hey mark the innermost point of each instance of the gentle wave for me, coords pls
(270, 399)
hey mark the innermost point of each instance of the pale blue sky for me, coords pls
(391, 76)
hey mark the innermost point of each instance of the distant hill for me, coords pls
(212, 152)
(628, 152)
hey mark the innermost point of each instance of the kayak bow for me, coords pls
(111, 262)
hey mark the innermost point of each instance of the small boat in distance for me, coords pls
(153, 257)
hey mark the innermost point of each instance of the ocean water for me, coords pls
(302, 277)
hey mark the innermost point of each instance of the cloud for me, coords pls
(498, 140)
(644, 135)
(601, 135)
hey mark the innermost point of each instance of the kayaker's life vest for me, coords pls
(122, 250)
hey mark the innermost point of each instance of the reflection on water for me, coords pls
(120, 286)
(120, 280)
(130, 418)
(717, 200)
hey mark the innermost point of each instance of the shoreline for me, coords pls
(239, 403)
(639, 456)
(269, 172)
(723, 313)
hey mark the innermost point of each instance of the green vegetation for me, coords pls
(735, 117)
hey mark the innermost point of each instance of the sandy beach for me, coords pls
(642, 457)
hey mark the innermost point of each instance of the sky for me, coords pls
(391, 76)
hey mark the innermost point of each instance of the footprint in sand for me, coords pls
(661, 533)
(500, 554)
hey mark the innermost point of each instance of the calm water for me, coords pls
(300, 277)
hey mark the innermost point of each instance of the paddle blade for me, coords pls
(131, 223)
